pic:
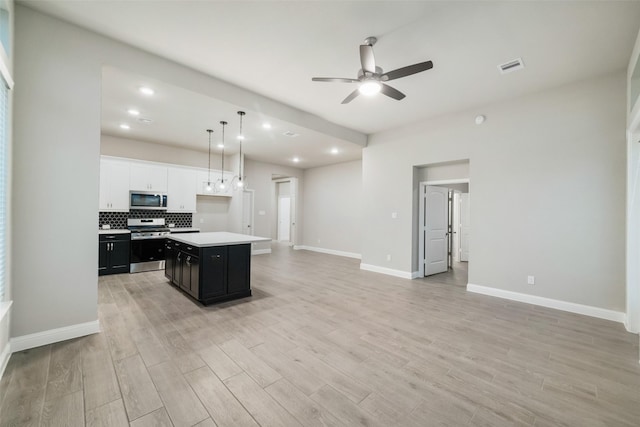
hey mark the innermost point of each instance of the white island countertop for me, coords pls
(221, 238)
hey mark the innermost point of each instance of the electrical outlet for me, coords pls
(531, 280)
(394, 215)
(318, 240)
(389, 257)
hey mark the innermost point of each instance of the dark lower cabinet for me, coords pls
(211, 274)
(113, 253)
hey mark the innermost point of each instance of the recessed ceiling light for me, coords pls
(334, 151)
(133, 112)
(295, 160)
(266, 125)
(125, 126)
(221, 145)
(241, 137)
(145, 121)
(146, 90)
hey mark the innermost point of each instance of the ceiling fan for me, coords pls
(371, 79)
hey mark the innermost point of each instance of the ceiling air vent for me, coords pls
(291, 134)
(510, 66)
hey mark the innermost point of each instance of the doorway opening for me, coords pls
(444, 229)
(285, 197)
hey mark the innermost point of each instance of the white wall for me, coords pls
(633, 195)
(142, 150)
(333, 207)
(547, 191)
(259, 178)
(212, 213)
(55, 177)
(445, 171)
(57, 140)
(5, 307)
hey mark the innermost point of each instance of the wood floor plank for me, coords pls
(308, 412)
(157, 418)
(206, 423)
(221, 365)
(181, 403)
(262, 373)
(221, 404)
(67, 411)
(349, 386)
(100, 381)
(293, 372)
(258, 402)
(343, 409)
(23, 401)
(111, 414)
(138, 392)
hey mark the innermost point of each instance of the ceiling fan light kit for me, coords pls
(371, 77)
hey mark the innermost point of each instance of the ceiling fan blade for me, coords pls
(391, 92)
(334, 79)
(351, 96)
(367, 59)
(407, 71)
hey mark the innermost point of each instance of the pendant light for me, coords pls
(240, 138)
(223, 123)
(209, 188)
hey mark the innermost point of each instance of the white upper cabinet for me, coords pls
(148, 178)
(114, 186)
(181, 194)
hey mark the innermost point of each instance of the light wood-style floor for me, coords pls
(324, 343)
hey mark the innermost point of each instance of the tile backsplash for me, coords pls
(118, 220)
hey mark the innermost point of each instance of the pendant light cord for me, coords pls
(241, 114)
(223, 123)
(209, 168)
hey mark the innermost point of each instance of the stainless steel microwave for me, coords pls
(150, 200)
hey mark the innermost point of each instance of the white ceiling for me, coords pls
(181, 117)
(274, 48)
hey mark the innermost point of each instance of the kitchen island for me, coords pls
(211, 267)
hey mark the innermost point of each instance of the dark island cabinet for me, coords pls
(210, 274)
(113, 253)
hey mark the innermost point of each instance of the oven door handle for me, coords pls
(147, 237)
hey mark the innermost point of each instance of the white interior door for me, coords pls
(464, 227)
(247, 212)
(436, 205)
(284, 218)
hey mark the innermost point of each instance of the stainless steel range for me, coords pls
(147, 244)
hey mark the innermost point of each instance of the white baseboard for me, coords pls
(260, 251)
(587, 310)
(38, 339)
(416, 274)
(328, 251)
(387, 271)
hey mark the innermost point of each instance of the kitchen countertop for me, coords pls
(184, 230)
(114, 231)
(205, 240)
